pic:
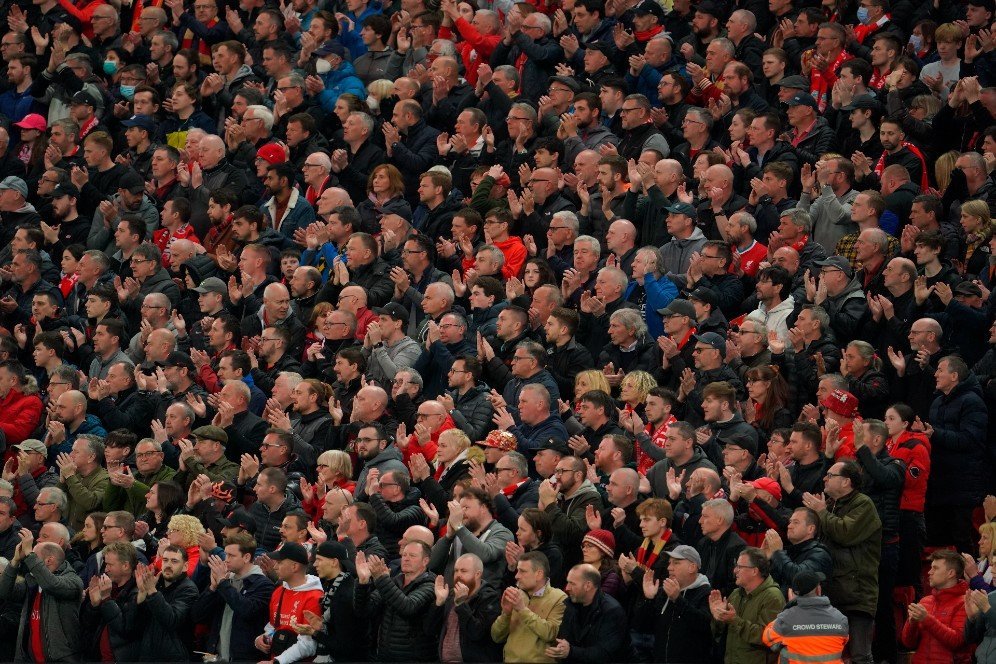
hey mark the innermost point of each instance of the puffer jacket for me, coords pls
(341, 79)
(884, 477)
(686, 619)
(847, 310)
(22, 413)
(402, 610)
(940, 637)
(167, 614)
(959, 457)
(472, 412)
(852, 531)
(810, 556)
(394, 518)
(119, 616)
(718, 558)
(474, 617)
(268, 522)
(873, 393)
(598, 633)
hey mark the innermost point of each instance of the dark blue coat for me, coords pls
(959, 449)
(250, 608)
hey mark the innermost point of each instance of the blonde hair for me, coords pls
(980, 209)
(596, 380)
(189, 526)
(642, 382)
(943, 167)
(989, 528)
(337, 461)
(461, 439)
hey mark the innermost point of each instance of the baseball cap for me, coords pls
(712, 339)
(331, 47)
(212, 285)
(142, 121)
(806, 581)
(84, 97)
(211, 432)
(801, 99)
(678, 308)
(238, 518)
(32, 445)
(131, 182)
(179, 359)
(742, 441)
(711, 8)
(556, 445)
(838, 262)
(501, 440)
(841, 402)
(65, 190)
(272, 153)
(682, 208)
(32, 121)
(685, 552)
(862, 101)
(988, 5)
(335, 551)
(16, 184)
(291, 551)
(795, 82)
(394, 310)
(650, 7)
(568, 81)
(703, 294)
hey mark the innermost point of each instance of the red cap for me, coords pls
(501, 440)
(32, 121)
(272, 153)
(843, 403)
(769, 485)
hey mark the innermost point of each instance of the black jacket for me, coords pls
(415, 153)
(402, 609)
(354, 177)
(681, 627)
(250, 613)
(344, 634)
(884, 480)
(268, 523)
(718, 558)
(810, 555)
(565, 362)
(373, 278)
(475, 617)
(959, 448)
(166, 615)
(645, 356)
(542, 56)
(119, 616)
(472, 412)
(245, 435)
(597, 633)
(131, 409)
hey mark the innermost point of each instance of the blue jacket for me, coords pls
(959, 450)
(340, 80)
(434, 365)
(320, 258)
(250, 613)
(660, 292)
(299, 215)
(90, 425)
(15, 105)
(646, 83)
(351, 39)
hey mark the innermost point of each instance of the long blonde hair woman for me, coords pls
(978, 226)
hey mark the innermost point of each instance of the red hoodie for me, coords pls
(515, 257)
(21, 415)
(940, 637)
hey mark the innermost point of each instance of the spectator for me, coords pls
(531, 612)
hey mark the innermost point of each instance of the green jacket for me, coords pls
(132, 499)
(86, 494)
(754, 611)
(852, 531)
(222, 470)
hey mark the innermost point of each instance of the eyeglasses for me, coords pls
(512, 118)
(101, 18)
(834, 475)
(520, 358)
(389, 484)
(552, 90)
(505, 470)
(702, 349)
(452, 370)
(142, 260)
(307, 165)
(739, 566)
(561, 471)
(43, 504)
(422, 416)
(531, 27)
(413, 251)
(629, 110)
(108, 526)
(362, 441)
(268, 445)
(149, 306)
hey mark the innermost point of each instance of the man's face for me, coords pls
(891, 136)
(798, 528)
(174, 567)
(115, 567)
(880, 55)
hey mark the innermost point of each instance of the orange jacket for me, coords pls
(808, 631)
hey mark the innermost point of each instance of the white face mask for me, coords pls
(323, 66)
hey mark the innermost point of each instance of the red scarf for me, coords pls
(821, 80)
(877, 79)
(644, 36)
(510, 490)
(87, 127)
(648, 553)
(861, 32)
(800, 243)
(924, 182)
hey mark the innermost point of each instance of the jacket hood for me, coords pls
(586, 489)
(852, 290)
(311, 582)
(389, 453)
(694, 237)
(700, 581)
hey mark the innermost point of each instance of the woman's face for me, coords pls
(531, 276)
(466, 11)
(29, 135)
(68, 263)
(757, 389)
(776, 447)
(325, 474)
(175, 538)
(737, 128)
(700, 166)
(525, 535)
(341, 111)
(854, 362)
(152, 498)
(591, 554)
(985, 544)
(381, 183)
(893, 422)
(969, 222)
(628, 392)
(90, 533)
(581, 386)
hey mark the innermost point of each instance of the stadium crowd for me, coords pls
(554, 330)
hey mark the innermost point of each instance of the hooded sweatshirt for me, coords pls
(225, 633)
(287, 606)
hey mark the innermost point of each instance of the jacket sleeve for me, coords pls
(490, 550)
(784, 568)
(771, 604)
(410, 161)
(570, 529)
(545, 628)
(173, 614)
(479, 423)
(391, 520)
(606, 641)
(410, 605)
(86, 498)
(852, 528)
(890, 474)
(971, 430)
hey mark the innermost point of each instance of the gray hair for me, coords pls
(368, 122)
(544, 22)
(56, 496)
(261, 112)
(513, 75)
(800, 218)
(292, 377)
(657, 256)
(621, 278)
(521, 465)
(322, 160)
(592, 243)
(880, 239)
(416, 377)
(95, 443)
(168, 38)
(745, 218)
(746, 17)
(82, 60)
(726, 45)
(540, 390)
(526, 109)
(495, 252)
(569, 218)
(631, 319)
(446, 47)
(721, 508)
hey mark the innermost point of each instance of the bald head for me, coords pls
(627, 477)
(418, 534)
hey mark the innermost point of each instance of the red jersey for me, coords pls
(164, 239)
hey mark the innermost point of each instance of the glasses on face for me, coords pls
(389, 484)
(520, 358)
(702, 349)
(739, 566)
(455, 371)
(504, 470)
(422, 416)
(413, 251)
(108, 526)
(141, 260)
(562, 471)
(629, 110)
(512, 118)
(268, 445)
(553, 90)
(834, 475)
(363, 441)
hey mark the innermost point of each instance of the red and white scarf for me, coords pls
(924, 182)
(821, 80)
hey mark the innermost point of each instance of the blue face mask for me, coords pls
(110, 67)
(128, 92)
(916, 41)
(863, 15)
